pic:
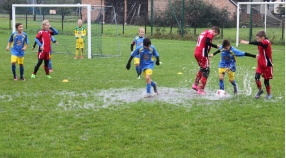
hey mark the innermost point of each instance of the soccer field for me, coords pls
(101, 111)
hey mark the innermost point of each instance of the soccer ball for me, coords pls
(220, 93)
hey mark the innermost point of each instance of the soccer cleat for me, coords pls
(15, 78)
(148, 95)
(33, 76)
(23, 79)
(258, 94)
(268, 96)
(195, 87)
(75, 57)
(201, 92)
(81, 57)
(48, 76)
(138, 77)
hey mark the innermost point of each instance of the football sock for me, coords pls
(47, 70)
(258, 83)
(50, 64)
(268, 89)
(203, 82)
(21, 71)
(47, 66)
(76, 52)
(198, 77)
(37, 66)
(138, 70)
(233, 83)
(234, 86)
(221, 84)
(153, 84)
(148, 88)
(14, 70)
(81, 52)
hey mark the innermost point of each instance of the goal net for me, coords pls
(255, 16)
(64, 18)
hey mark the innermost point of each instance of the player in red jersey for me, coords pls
(203, 47)
(264, 63)
(43, 39)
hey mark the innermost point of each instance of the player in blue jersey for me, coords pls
(146, 54)
(138, 41)
(18, 42)
(227, 63)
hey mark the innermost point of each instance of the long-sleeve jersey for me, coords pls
(52, 39)
(18, 42)
(79, 33)
(137, 41)
(265, 53)
(228, 57)
(204, 43)
(43, 39)
(146, 55)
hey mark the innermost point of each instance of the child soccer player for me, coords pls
(203, 47)
(146, 53)
(264, 63)
(79, 34)
(19, 42)
(50, 61)
(228, 63)
(138, 41)
(43, 39)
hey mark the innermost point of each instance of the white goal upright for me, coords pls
(61, 16)
(255, 16)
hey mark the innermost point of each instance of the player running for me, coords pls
(138, 41)
(146, 53)
(227, 64)
(264, 63)
(19, 42)
(203, 47)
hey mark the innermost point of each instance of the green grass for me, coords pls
(85, 117)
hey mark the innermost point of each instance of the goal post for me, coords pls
(108, 45)
(88, 14)
(254, 16)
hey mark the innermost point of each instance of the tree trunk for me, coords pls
(195, 28)
(63, 16)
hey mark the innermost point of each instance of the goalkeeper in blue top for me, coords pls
(227, 63)
(146, 53)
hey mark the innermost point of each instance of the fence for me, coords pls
(161, 19)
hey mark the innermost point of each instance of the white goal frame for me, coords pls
(238, 12)
(88, 7)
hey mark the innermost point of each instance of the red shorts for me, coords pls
(202, 61)
(266, 72)
(44, 55)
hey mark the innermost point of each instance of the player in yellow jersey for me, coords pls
(79, 34)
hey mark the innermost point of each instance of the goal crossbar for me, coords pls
(88, 7)
(238, 11)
